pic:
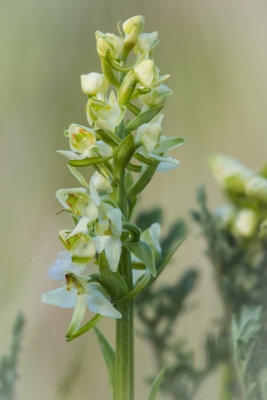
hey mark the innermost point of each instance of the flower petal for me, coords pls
(113, 252)
(114, 217)
(60, 297)
(63, 265)
(99, 304)
(81, 227)
(78, 314)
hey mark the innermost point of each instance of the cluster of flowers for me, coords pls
(101, 223)
(246, 215)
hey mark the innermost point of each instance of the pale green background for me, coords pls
(216, 52)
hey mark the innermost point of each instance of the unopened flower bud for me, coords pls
(135, 22)
(157, 97)
(149, 134)
(108, 41)
(127, 88)
(145, 72)
(246, 223)
(94, 83)
(146, 42)
(130, 40)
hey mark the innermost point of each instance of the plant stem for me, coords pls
(124, 364)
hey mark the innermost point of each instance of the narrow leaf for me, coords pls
(143, 179)
(141, 119)
(169, 144)
(167, 258)
(89, 325)
(109, 356)
(123, 154)
(112, 281)
(144, 253)
(88, 161)
(156, 384)
(78, 176)
(108, 137)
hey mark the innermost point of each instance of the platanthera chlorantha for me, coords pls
(124, 144)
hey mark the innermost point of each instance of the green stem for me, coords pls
(124, 363)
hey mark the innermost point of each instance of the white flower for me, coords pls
(99, 186)
(63, 265)
(246, 222)
(236, 178)
(146, 42)
(151, 237)
(80, 245)
(83, 144)
(105, 115)
(108, 230)
(148, 74)
(82, 140)
(224, 168)
(80, 294)
(145, 72)
(79, 203)
(134, 22)
(94, 84)
(157, 97)
(149, 134)
(108, 41)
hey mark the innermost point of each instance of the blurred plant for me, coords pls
(237, 247)
(70, 377)
(250, 354)
(125, 258)
(160, 308)
(9, 363)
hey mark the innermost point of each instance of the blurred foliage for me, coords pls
(69, 379)
(159, 309)
(9, 363)
(250, 353)
(241, 276)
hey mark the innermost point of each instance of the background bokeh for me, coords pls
(216, 52)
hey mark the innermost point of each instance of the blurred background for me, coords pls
(216, 53)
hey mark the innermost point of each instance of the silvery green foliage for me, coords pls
(160, 308)
(249, 353)
(237, 248)
(9, 363)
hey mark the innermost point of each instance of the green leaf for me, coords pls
(168, 257)
(89, 325)
(144, 253)
(141, 119)
(143, 179)
(78, 176)
(169, 144)
(109, 356)
(81, 260)
(88, 161)
(156, 384)
(113, 282)
(123, 154)
(109, 73)
(108, 137)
